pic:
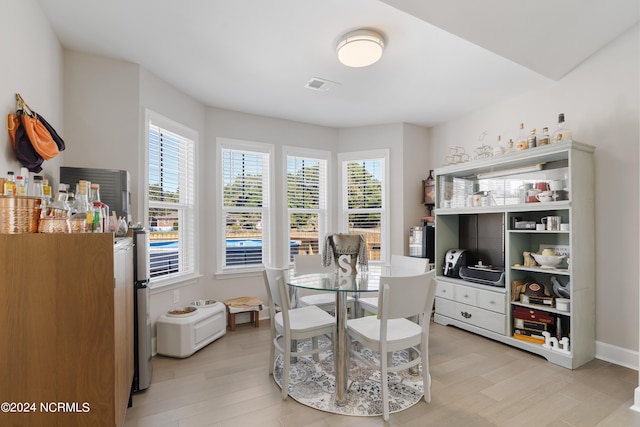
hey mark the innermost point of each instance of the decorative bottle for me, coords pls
(37, 190)
(562, 132)
(60, 208)
(82, 217)
(10, 184)
(521, 140)
(499, 149)
(510, 148)
(532, 140)
(544, 139)
(46, 189)
(20, 188)
(101, 208)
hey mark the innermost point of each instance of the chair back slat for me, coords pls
(310, 263)
(276, 287)
(406, 266)
(406, 296)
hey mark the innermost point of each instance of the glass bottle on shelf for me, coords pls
(10, 184)
(20, 188)
(499, 149)
(562, 132)
(46, 189)
(101, 208)
(95, 226)
(71, 201)
(544, 139)
(60, 206)
(532, 140)
(521, 140)
(25, 174)
(82, 217)
(37, 190)
(510, 147)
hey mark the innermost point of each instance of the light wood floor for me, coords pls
(476, 382)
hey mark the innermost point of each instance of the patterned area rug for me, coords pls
(313, 384)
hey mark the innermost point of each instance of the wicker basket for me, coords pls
(19, 214)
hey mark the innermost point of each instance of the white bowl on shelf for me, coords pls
(548, 261)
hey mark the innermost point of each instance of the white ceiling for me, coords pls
(443, 58)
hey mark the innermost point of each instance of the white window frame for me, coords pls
(358, 156)
(324, 222)
(188, 236)
(268, 240)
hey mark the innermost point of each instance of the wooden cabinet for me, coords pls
(478, 205)
(66, 322)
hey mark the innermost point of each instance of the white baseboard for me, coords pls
(636, 400)
(619, 356)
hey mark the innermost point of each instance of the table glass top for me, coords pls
(364, 281)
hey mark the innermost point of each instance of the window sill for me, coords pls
(234, 273)
(173, 283)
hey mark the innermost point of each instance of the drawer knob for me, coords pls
(465, 314)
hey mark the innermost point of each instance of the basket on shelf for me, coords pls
(19, 214)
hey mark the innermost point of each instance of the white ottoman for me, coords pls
(183, 335)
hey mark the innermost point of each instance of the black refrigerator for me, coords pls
(142, 319)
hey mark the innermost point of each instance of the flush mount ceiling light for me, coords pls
(360, 48)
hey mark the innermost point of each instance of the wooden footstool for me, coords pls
(250, 305)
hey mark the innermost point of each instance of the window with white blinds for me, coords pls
(245, 205)
(306, 203)
(171, 203)
(364, 210)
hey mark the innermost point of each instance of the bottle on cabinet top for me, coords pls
(532, 140)
(521, 140)
(562, 132)
(499, 148)
(544, 139)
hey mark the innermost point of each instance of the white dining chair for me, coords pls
(293, 325)
(401, 297)
(400, 266)
(312, 263)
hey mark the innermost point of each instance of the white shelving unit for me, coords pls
(488, 310)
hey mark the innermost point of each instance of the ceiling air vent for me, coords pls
(322, 85)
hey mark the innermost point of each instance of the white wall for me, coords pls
(600, 100)
(101, 104)
(31, 66)
(414, 169)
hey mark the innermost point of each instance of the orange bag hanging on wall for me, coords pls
(38, 132)
(22, 148)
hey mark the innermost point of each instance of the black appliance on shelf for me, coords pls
(454, 260)
(422, 241)
(141, 317)
(115, 186)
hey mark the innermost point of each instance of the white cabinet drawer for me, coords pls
(494, 301)
(466, 295)
(485, 319)
(445, 307)
(492, 321)
(445, 290)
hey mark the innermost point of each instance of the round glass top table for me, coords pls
(366, 280)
